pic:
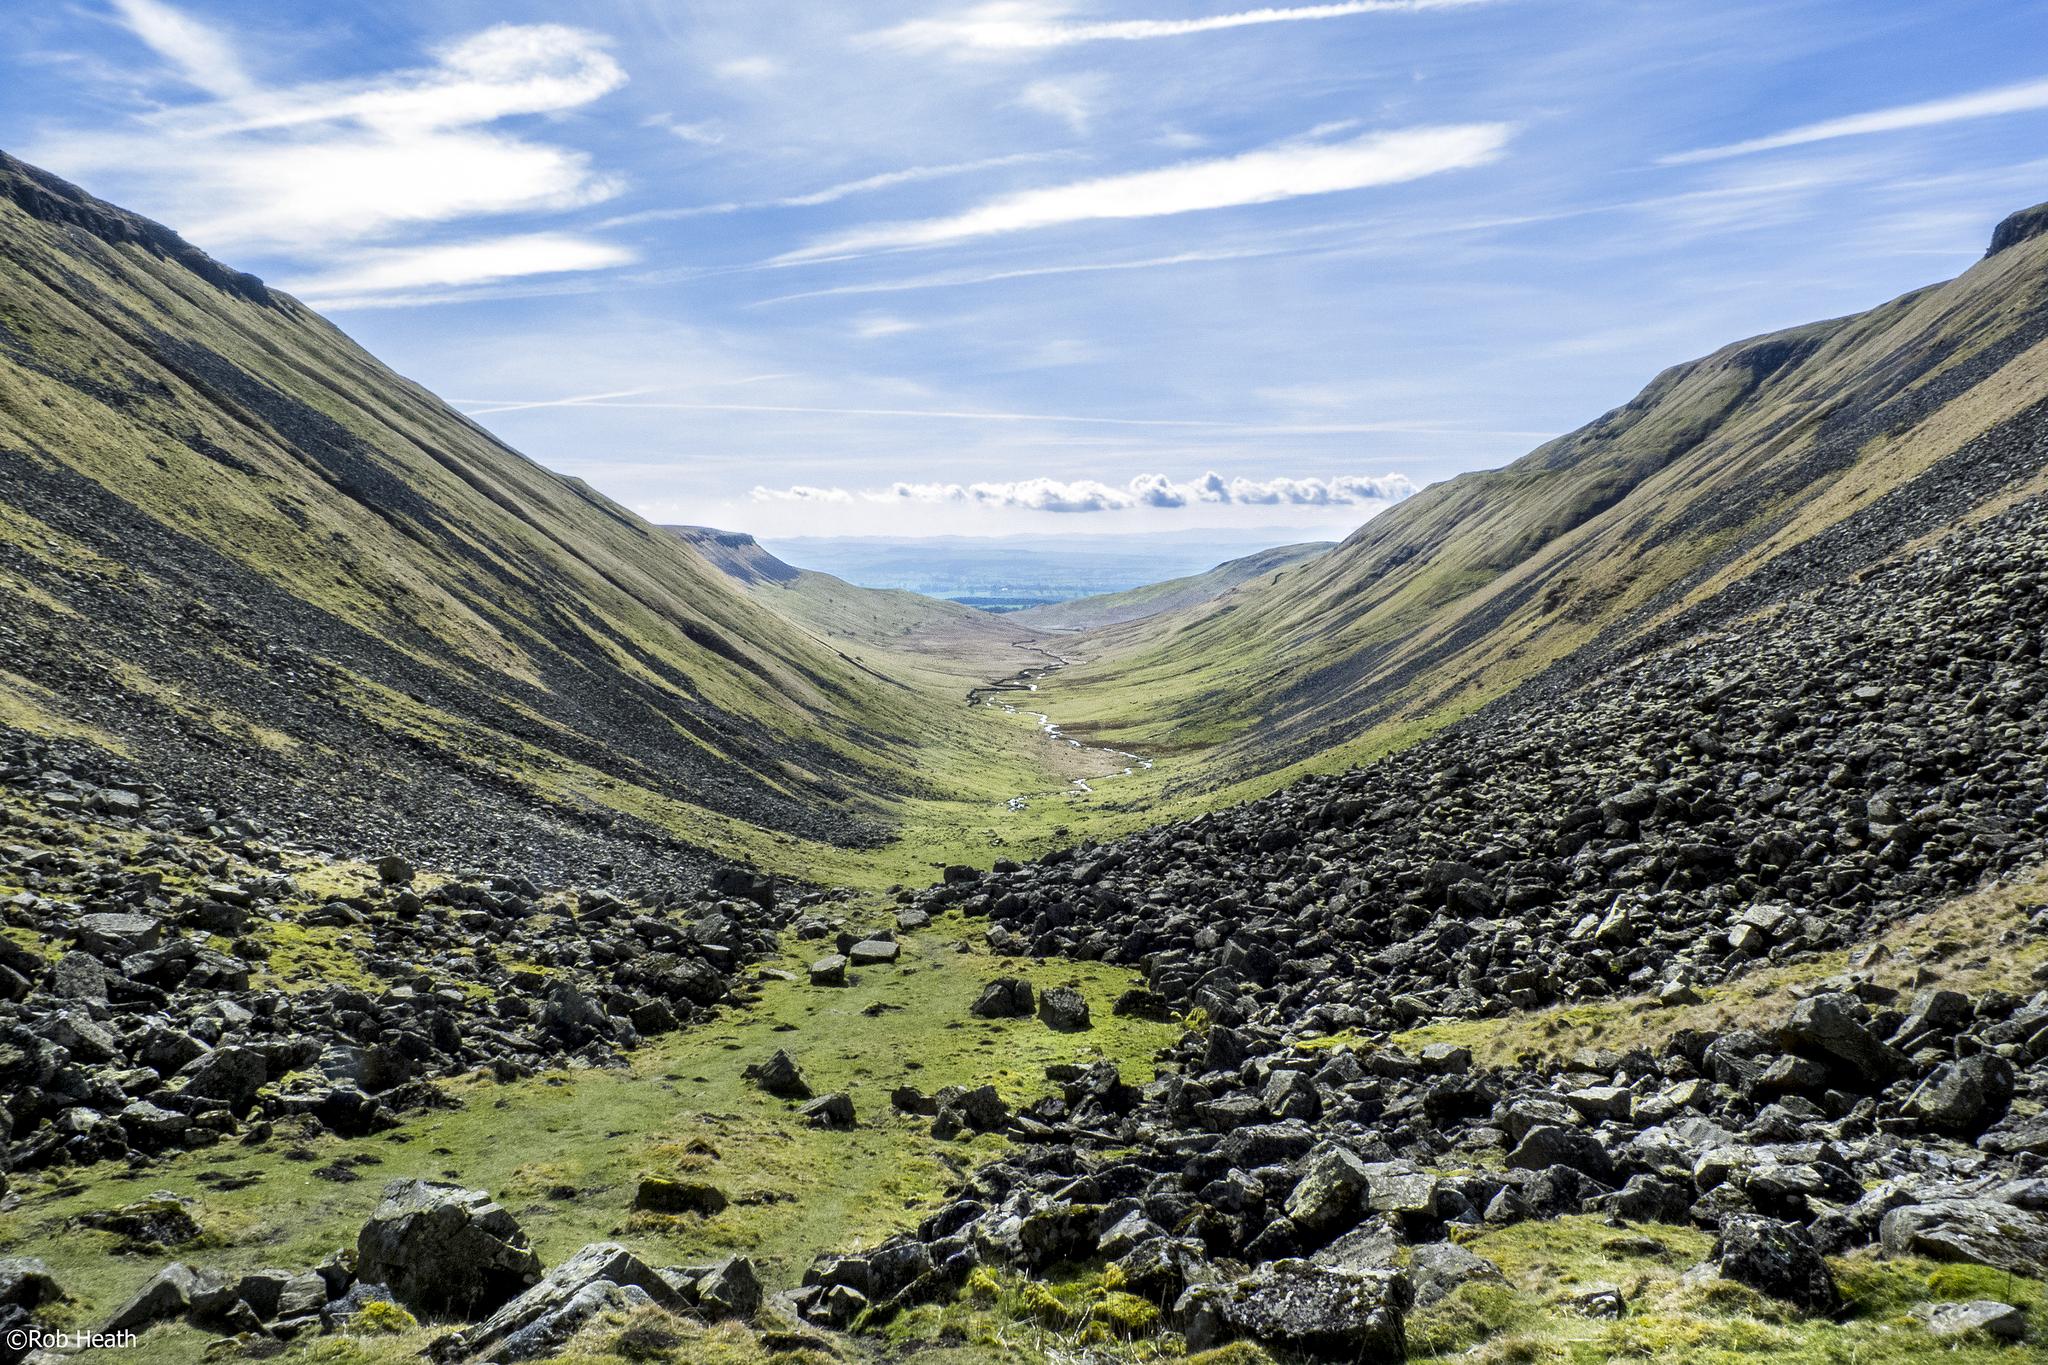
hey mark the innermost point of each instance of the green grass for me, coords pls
(680, 1106)
(1673, 1318)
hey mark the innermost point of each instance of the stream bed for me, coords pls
(1025, 681)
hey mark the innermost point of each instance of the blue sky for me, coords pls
(986, 268)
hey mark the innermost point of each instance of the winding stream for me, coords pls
(1026, 680)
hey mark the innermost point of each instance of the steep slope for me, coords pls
(276, 574)
(1729, 481)
(1175, 594)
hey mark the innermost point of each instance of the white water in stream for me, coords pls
(1026, 681)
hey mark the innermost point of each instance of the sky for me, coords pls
(956, 268)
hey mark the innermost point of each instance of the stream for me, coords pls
(1026, 680)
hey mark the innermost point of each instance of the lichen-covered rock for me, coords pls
(1778, 1259)
(1296, 1306)
(445, 1250)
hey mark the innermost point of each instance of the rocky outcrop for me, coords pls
(2023, 226)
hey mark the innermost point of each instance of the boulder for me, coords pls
(26, 1282)
(1979, 1317)
(664, 1194)
(118, 935)
(172, 1292)
(1063, 1008)
(829, 1111)
(779, 1076)
(873, 952)
(1437, 1269)
(1300, 1307)
(229, 1075)
(1964, 1097)
(1833, 1026)
(829, 970)
(1774, 1258)
(1980, 1231)
(1007, 997)
(1545, 1145)
(729, 1289)
(445, 1250)
(541, 1319)
(1327, 1198)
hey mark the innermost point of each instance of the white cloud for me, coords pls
(2006, 99)
(1090, 495)
(398, 269)
(198, 53)
(1284, 171)
(705, 133)
(955, 279)
(874, 326)
(1070, 99)
(325, 165)
(1011, 26)
(832, 194)
(802, 493)
(749, 69)
(505, 70)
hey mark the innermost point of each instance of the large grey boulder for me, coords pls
(1834, 1026)
(1778, 1259)
(1328, 1195)
(1964, 1097)
(1064, 1009)
(173, 1292)
(1982, 1231)
(26, 1282)
(1979, 1317)
(228, 1075)
(444, 1249)
(1312, 1310)
(729, 1289)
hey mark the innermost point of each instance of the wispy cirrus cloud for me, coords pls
(199, 54)
(1011, 27)
(832, 194)
(1286, 170)
(1980, 104)
(394, 270)
(333, 173)
(1090, 495)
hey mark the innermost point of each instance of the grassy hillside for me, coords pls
(238, 549)
(1765, 466)
(1176, 594)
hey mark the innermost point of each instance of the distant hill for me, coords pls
(1176, 594)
